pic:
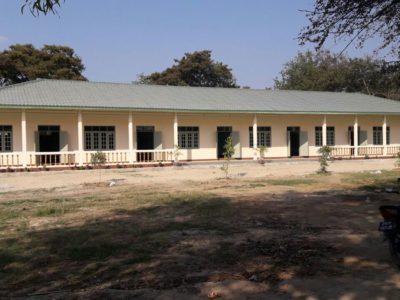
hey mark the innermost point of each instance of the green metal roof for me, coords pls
(59, 94)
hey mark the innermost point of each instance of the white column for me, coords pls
(355, 136)
(130, 137)
(176, 158)
(175, 130)
(255, 141)
(324, 132)
(80, 140)
(384, 132)
(24, 158)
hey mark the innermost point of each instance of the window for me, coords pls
(263, 136)
(377, 135)
(318, 136)
(330, 136)
(5, 138)
(224, 129)
(188, 137)
(99, 137)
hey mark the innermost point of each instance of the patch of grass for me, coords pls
(8, 214)
(97, 251)
(120, 211)
(91, 268)
(149, 209)
(128, 227)
(51, 211)
(6, 258)
(253, 185)
(290, 182)
(200, 204)
(371, 181)
(19, 202)
(60, 200)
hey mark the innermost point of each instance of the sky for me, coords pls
(119, 39)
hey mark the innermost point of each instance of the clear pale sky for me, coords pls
(118, 39)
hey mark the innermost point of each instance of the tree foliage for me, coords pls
(36, 7)
(324, 71)
(357, 20)
(24, 62)
(194, 69)
(325, 152)
(228, 154)
(9, 73)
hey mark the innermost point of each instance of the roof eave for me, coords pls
(51, 107)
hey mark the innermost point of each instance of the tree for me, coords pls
(9, 73)
(310, 71)
(324, 71)
(98, 159)
(36, 7)
(358, 20)
(194, 69)
(325, 152)
(228, 154)
(24, 62)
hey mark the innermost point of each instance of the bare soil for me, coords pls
(276, 231)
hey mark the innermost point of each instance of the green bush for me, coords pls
(325, 152)
(98, 159)
(229, 152)
(397, 163)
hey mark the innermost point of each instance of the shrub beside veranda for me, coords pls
(325, 152)
(229, 152)
(98, 159)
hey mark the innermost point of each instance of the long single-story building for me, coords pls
(61, 122)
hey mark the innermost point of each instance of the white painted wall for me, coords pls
(207, 123)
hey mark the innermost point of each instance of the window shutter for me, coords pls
(37, 146)
(349, 133)
(236, 144)
(158, 140)
(303, 143)
(363, 138)
(63, 141)
(216, 143)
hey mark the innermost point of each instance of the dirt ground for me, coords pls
(176, 176)
(273, 231)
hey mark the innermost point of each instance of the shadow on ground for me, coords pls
(292, 245)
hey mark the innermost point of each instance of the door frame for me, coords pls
(50, 129)
(226, 130)
(289, 131)
(147, 129)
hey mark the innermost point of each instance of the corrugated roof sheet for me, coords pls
(98, 95)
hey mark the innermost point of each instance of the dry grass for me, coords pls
(135, 238)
